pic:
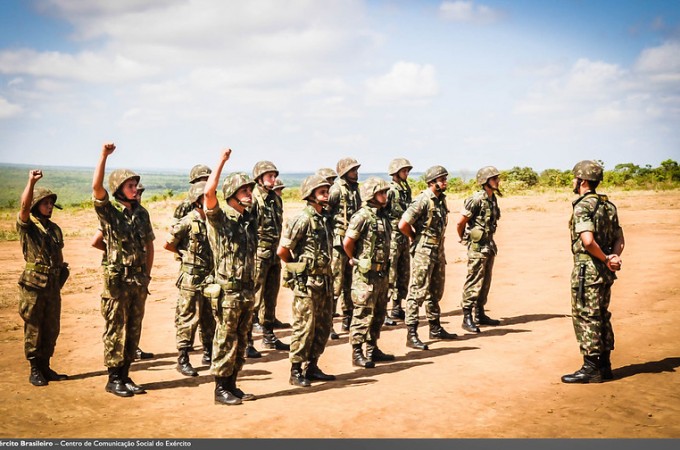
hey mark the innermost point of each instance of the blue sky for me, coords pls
(304, 83)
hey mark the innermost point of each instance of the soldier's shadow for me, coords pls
(138, 365)
(197, 381)
(531, 318)
(664, 365)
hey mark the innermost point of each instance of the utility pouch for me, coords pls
(64, 273)
(33, 279)
(364, 265)
(476, 235)
(213, 291)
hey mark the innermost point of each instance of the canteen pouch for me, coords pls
(213, 291)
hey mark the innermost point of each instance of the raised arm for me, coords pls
(210, 191)
(98, 190)
(27, 195)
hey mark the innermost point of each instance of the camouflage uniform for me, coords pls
(196, 173)
(398, 199)
(184, 208)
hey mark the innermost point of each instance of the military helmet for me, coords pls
(310, 183)
(371, 187)
(397, 164)
(140, 187)
(40, 193)
(345, 165)
(263, 167)
(234, 182)
(485, 173)
(199, 171)
(279, 184)
(435, 172)
(195, 191)
(118, 177)
(588, 170)
(327, 173)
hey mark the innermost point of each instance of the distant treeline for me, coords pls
(73, 185)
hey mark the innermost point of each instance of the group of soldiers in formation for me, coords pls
(363, 249)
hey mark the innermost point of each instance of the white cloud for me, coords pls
(661, 64)
(405, 82)
(8, 109)
(468, 12)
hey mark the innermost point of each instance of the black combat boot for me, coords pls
(482, 319)
(251, 351)
(277, 324)
(591, 372)
(269, 340)
(141, 354)
(333, 336)
(373, 353)
(314, 373)
(397, 312)
(131, 385)
(605, 360)
(48, 373)
(296, 377)
(231, 386)
(468, 323)
(358, 358)
(412, 339)
(184, 364)
(346, 320)
(389, 322)
(438, 332)
(36, 377)
(222, 394)
(207, 354)
(115, 385)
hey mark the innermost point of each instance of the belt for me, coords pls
(194, 270)
(43, 268)
(236, 285)
(432, 240)
(582, 257)
(316, 271)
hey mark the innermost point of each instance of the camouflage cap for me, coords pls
(120, 176)
(310, 183)
(327, 173)
(435, 172)
(263, 167)
(345, 165)
(40, 193)
(234, 182)
(199, 171)
(278, 184)
(371, 187)
(588, 170)
(485, 173)
(397, 164)
(196, 191)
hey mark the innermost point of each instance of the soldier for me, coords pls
(189, 239)
(398, 199)
(343, 201)
(329, 174)
(476, 227)
(424, 223)
(128, 237)
(306, 249)
(367, 244)
(198, 173)
(597, 243)
(268, 209)
(42, 279)
(279, 186)
(233, 241)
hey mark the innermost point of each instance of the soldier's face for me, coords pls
(46, 206)
(245, 195)
(321, 195)
(441, 182)
(129, 189)
(494, 182)
(353, 175)
(403, 173)
(268, 180)
(380, 198)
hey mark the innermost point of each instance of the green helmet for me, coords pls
(327, 173)
(199, 171)
(371, 187)
(345, 165)
(118, 177)
(435, 172)
(263, 167)
(588, 170)
(485, 173)
(310, 183)
(196, 191)
(397, 164)
(278, 184)
(40, 193)
(234, 182)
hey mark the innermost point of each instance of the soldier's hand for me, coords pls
(108, 148)
(226, 153)
(34, 175)
(614, 262)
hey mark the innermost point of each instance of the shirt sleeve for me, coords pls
(356, 227)
(583, 217)
(471, 207)
(293, 232)
(414, 211)
(178, 232)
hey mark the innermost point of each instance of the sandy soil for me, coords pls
(504, 382)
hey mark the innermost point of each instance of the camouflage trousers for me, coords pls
(267, 285)
(370, 297)
(592, 319)
(400, 268)
(312, 321)
(122, 307)
(478, 279)
(233, 318)
(342, 280)
(193, 308)
(41, 311)
(426, 285)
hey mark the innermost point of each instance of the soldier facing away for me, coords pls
(597, 243)
(198, 173)
(42, 278)
(476, 227)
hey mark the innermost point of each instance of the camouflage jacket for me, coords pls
(42, 247)
(308, 238)
(398, 199)
(182, 209)
(371, 230)
(268, 210)
(343, 201)
(483, 214)
(233, 241)
(190, 237)
(428, 214)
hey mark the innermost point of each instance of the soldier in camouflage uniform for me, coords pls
(279, 186)
(476, 227)
(233, 240)
(329, 174)
(343, 201)
(268, 209)
(306, 249)
(367, 244)
(597, 243)
(40, 283)
(198, 173)
(398, 199)
(128, 237)
(189, 239)
(424, 223)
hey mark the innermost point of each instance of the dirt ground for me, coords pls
(504, 382)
